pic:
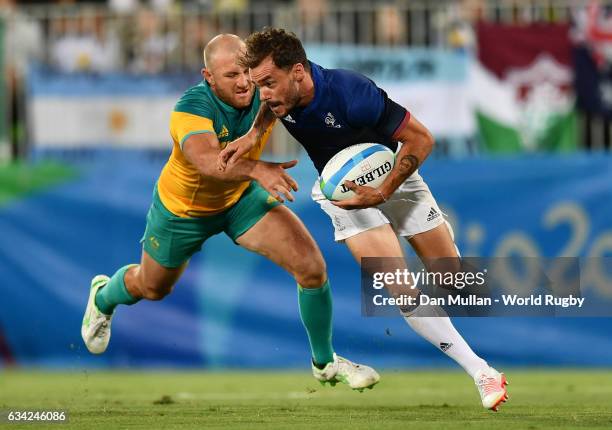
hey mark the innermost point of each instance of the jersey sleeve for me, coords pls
(393, 119)
(191, 115)
(372, 107)
(184, 125)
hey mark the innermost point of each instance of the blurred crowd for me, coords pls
(153, 36)
(157, 35)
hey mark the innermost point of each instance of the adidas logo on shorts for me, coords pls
(445, 346)
(433, 214)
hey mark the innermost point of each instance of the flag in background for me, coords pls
(523, 88)
(592, 35)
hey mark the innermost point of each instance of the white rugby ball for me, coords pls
(365, 164)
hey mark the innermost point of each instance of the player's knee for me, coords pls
(153, 291)
(311, 272)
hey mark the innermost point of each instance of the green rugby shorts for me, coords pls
(171, 240)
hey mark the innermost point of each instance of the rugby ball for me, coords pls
(365, 164)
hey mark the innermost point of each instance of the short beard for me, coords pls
(293, 99)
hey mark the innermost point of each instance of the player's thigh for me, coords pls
(282, 237)
(169, 242)
(378, 250)
(436, 249)
(415, 215)
(366, 232)
(435, 243)
(259, 223)
(379, 241)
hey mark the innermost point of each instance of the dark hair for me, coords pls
(285, 48)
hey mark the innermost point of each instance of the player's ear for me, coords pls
(208, 76)
(298, 72)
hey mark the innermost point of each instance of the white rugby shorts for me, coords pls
(410, 210)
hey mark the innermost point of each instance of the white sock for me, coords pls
(442, 334)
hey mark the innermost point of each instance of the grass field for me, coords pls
(414, 400)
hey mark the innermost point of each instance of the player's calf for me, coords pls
(147, 287)
(155, 292)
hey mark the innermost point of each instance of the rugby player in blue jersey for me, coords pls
(327, 110)
(193, 201)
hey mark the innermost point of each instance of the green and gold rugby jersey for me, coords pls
(182, 189)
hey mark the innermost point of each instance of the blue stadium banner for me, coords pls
(233, 308)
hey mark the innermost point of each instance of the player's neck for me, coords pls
(307, 90)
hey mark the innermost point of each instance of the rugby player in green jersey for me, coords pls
(193, 201)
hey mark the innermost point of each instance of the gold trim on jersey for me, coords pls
(183, 125)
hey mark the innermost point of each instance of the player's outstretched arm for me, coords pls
(202, 150)
(243, 145)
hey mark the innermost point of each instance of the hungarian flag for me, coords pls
(523, 88)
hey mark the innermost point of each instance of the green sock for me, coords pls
(316, 313)
(114, 293)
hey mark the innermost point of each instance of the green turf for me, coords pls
(408, 400)
(19, 179)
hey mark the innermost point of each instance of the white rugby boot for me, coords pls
(492, 388)
(356, 376)
(96, 327)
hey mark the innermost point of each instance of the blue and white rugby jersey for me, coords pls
(347, 109)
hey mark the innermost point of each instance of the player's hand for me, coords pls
(365, 197)
(275, 180)
(234, 150)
